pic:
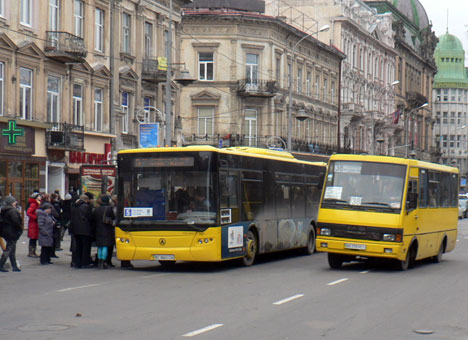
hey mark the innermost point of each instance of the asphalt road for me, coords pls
(285, 296)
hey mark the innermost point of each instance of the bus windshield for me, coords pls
(365, 186)
(168, 188)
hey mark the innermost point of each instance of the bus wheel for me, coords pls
(249, 258)
(438, 257)
(167, 263)
(310, 248)
(403, 265)
(335, 260)
(410, 259)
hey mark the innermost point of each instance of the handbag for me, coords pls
(106, 219)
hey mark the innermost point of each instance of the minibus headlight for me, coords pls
(389, 237)
(325, 231)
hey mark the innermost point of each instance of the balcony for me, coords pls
(65, 47)
(154, 70)
(256, 88)
(64, 136)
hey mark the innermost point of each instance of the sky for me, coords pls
(457, 19)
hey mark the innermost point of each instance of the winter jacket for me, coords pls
(105, 235)
(13, 225)
(66, 212)
(46, 228)
(82, 219)
(33, 230)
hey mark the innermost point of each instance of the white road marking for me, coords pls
(294, 297)
(154, 275)
(80, 287)
(466, 237)
(203, 330)
(364, 272)
(337, 281)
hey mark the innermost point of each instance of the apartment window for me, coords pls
(26, 12)
(299, 80)
(205, 121)
(78, 105)
(26, 92)
(2, 87)
(126, 22)
(317, 87)
(78, 15)
(99, 30)
(148, 40)
(147, 109)
(332, 89)
(325, 89)
(124, 106)
(308, 84)
(98, 99)
(278, 70)
(54, 15)
(445, 95)
(53, 99)
(205, 66)
(250, 127)
(251, 68)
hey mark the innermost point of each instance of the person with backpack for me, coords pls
(105, 235)
(11, 232)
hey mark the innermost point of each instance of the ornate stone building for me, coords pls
(415, 68)
(367, 74)
(241, 95)
(451, 103)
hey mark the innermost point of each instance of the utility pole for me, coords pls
(168, 111)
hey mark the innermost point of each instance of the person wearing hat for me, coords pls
(66, 205)
(46, 231)
(12, 230)
(33, 230)
(103, 218)
(83, 232)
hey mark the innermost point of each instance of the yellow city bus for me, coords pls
(387, 207)
(200, 203)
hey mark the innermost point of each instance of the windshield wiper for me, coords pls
(335, 200)
(379, 203)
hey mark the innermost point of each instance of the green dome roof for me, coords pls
(449, 56)
(414, 11)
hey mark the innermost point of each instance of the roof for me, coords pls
(449, 56)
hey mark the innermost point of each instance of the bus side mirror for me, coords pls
(412, 201)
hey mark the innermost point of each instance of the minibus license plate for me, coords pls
(354, 246)
(164, 257)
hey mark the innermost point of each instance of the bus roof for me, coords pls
(238, 150)
(394, 160)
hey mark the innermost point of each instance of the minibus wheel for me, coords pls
(438, 257)
(251, 249)
(403, 265)
(335, 261)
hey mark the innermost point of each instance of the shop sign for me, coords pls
(96, 179)
(15, 139)
(87, 157)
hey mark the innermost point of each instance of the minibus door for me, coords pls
(411, 218)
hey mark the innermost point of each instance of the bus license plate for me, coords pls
(354, 246)
(164, 257)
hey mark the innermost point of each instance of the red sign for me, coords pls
(86, 157)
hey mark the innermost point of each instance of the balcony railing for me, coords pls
(65, 47)
(256, 88)
(64, 136)
(153, 70)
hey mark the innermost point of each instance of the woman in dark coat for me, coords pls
(46, 231)
(104, 229)
(12, 230)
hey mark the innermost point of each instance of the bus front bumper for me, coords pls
(352, 247)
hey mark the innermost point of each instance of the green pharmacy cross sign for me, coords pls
(12, 132)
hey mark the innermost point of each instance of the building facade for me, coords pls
(367, 74)
(242, 93)
(450, 106)
(415, 43)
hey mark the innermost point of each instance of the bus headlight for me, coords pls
(325, 231)
(389, 237)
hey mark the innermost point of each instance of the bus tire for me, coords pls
(335, 261)
(409, 260)
(251, 249)
(404, 264)
(310, 248)
(167, 263)
(438, 257)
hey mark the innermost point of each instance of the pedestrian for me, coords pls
(46, 224)
(82, 230)
(104, 230)
(55, 201)
(66, 213)
(12, 230)
(33, 231)
(2, 241)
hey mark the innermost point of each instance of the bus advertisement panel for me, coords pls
(387, 207)
(207, 204)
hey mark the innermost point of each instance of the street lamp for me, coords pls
(406, 123)
(396, 82)
(322, 29)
